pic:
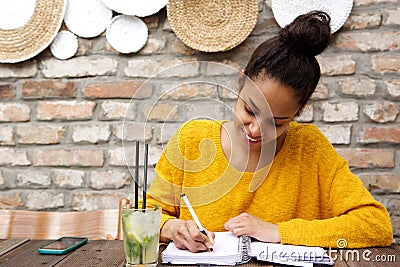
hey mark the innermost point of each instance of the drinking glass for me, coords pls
(141, 235)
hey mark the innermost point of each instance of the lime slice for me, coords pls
(136, 236)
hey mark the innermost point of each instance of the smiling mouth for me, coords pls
(248, 138)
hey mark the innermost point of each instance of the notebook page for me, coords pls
(226, 252)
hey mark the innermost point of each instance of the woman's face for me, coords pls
(263, 114)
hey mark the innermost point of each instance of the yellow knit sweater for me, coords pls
(309, 191)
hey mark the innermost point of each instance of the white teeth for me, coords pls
(251, 139)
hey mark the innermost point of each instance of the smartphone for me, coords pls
(63, 245)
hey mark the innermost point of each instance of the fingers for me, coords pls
(211, 238)
(235, 222)
(246, 224)
(204, 237)
(188, 236)
(237, 228)
(240, 225)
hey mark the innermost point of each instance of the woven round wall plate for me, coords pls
(285, 11)
(135, 7)
(212, 26)
(34, 34)
(127, 34)
(87, 18)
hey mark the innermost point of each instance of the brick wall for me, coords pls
(61, 129)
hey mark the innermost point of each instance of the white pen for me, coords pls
(194, 216)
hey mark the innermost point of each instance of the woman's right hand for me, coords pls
(186, 235)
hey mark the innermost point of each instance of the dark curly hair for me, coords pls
(289, 58)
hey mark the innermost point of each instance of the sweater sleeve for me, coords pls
(165, 188)
(357, 219)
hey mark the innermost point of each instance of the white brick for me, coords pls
(224, 68)
(119, 156)
(345, 111)
(91, 133)
(160, 112)
(228, 91)
(65, 110)
(14, 112)
(307, 114)
(1, 179)
(162, 68)
(393, 88)
(134, 131)
(69, 178)
(381, 111)
(44, 200)
(21, 70)
(96, 200)
(164, 132)
(111, 179)
(185, 91)
(393, 17)
(358, 86)
(78, 67)
(40, 134)
(34, 179)
(321, 92)
(68, 157)
(116, 110)
(358, 3)
(7, 135)
(12, 157)
(337, 134)
(10, 200)
(154, 45)
(337, 65)
(211, 109)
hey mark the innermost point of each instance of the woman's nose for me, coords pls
(254, 129)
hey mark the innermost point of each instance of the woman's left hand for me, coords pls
(246, 224)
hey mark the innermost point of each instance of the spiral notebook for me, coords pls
(232, 250)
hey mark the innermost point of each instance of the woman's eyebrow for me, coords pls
(253, 105)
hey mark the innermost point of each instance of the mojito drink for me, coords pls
(141, 235)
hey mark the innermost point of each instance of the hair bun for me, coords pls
(308, 34)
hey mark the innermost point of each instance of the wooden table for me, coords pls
(23, 252)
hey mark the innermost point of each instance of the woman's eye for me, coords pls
(272, 122)
(249, 111)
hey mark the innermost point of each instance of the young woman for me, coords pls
(263, 174)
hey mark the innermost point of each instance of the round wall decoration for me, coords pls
(285, 11)
(136, 8)
(127, 34)
(212, 26)
(64, 45)
(15, 14)
(30, 32)
(87, 18)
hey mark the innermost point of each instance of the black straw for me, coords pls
(146, 155)
(137, 176)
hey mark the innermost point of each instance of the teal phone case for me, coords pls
(75, 242)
